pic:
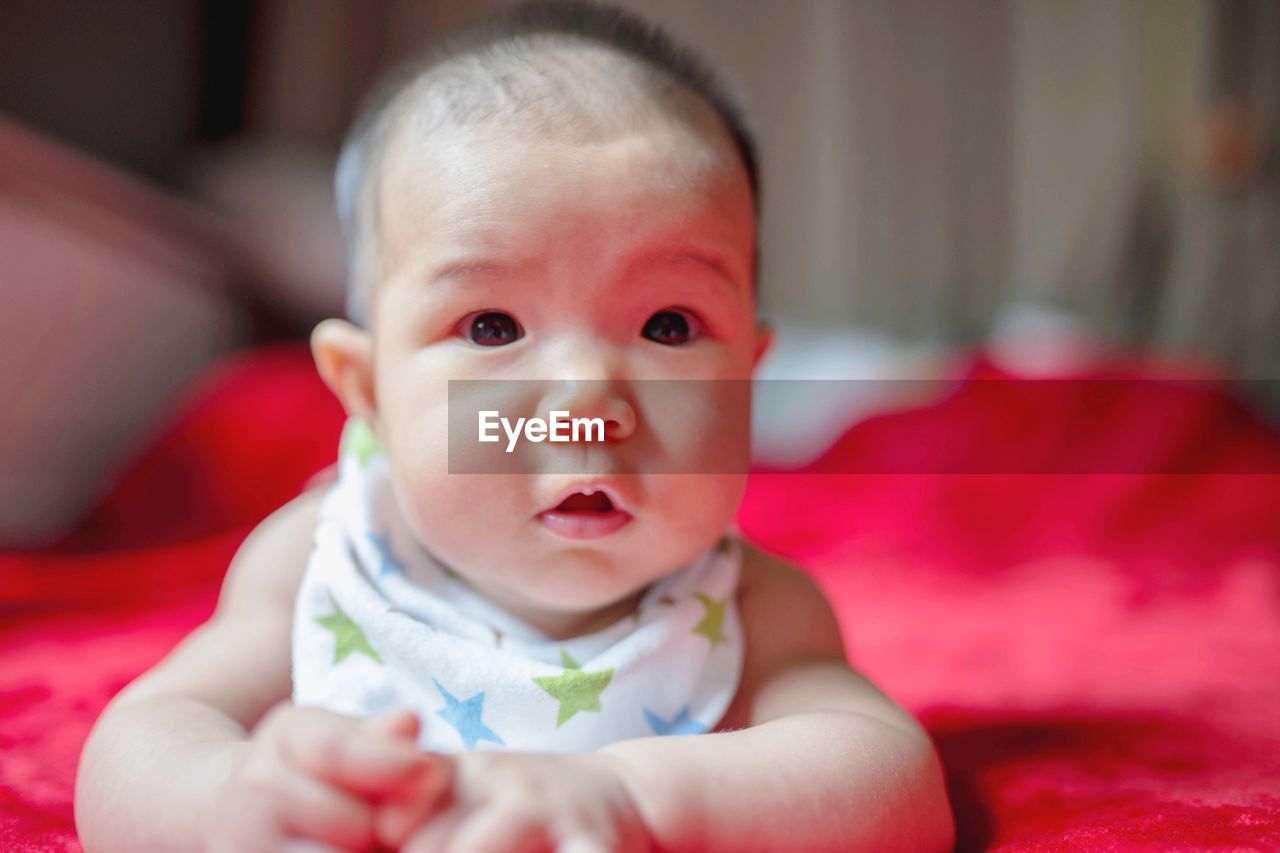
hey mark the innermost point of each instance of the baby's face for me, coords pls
(583, 267)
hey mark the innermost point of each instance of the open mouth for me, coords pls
(585, 514)
(585, 502)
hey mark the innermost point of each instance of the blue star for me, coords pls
(680, 724)
(465, 717)
(390, 562)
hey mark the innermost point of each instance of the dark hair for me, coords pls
(505, 37)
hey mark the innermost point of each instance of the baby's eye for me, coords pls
(671, 327)
(492, 329)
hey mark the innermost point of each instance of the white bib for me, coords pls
(380, 625)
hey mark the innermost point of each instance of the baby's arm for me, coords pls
(828, 763)
(194, 756)
(820, 760)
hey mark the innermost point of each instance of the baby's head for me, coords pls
(563, 197)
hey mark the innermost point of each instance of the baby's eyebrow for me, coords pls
(456, 270)
(712, 260)
(464, 268)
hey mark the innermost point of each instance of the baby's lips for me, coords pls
(586, 487)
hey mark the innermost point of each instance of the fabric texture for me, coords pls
(1097, 657)
(381, 625)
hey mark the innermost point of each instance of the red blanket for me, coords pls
(1097, 656)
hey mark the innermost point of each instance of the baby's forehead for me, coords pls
(472, 158)
(462, 145)
(499, 183)
(454, 151)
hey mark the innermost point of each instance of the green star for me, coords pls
(347, 636)
(359, 439)
(575, 690)
(709, 627)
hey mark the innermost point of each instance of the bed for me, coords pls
(1089, 626)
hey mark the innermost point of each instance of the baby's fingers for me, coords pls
(395, 822)
(425, 795)
(435, 836)
(350, 756)
(400, 814)
(403, 725)
(271, 803)
(313, 811)
(299, 845)
(503, 830)
(583, 844)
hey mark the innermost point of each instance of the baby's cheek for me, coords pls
(698, 426)
(698, 509)
(447, 501)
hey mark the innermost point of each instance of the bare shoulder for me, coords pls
(786, 624)
(795, 659)
(250, 631)
(784, 613)
(268, 567)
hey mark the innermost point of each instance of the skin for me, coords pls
(581, 251)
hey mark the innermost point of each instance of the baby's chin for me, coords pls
(588, 580)
(571, 584)
(562, 613)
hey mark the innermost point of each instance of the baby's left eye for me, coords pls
(671, 327)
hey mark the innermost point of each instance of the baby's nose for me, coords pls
(595, 398)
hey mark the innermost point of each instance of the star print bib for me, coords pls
(380, 625)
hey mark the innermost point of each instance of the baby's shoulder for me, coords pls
(769, 579)
(270, 563)
(783, 610)
(786, 621)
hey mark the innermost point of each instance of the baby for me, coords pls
(436, 652)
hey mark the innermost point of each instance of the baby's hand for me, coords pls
(511, 801)
(314, 780)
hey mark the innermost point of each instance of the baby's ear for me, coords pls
(344, 358)
(764, 341)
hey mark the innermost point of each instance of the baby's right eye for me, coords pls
(492, 329)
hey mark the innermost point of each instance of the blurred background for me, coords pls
(1043, 178)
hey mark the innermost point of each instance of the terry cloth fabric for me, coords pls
(380, 625)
